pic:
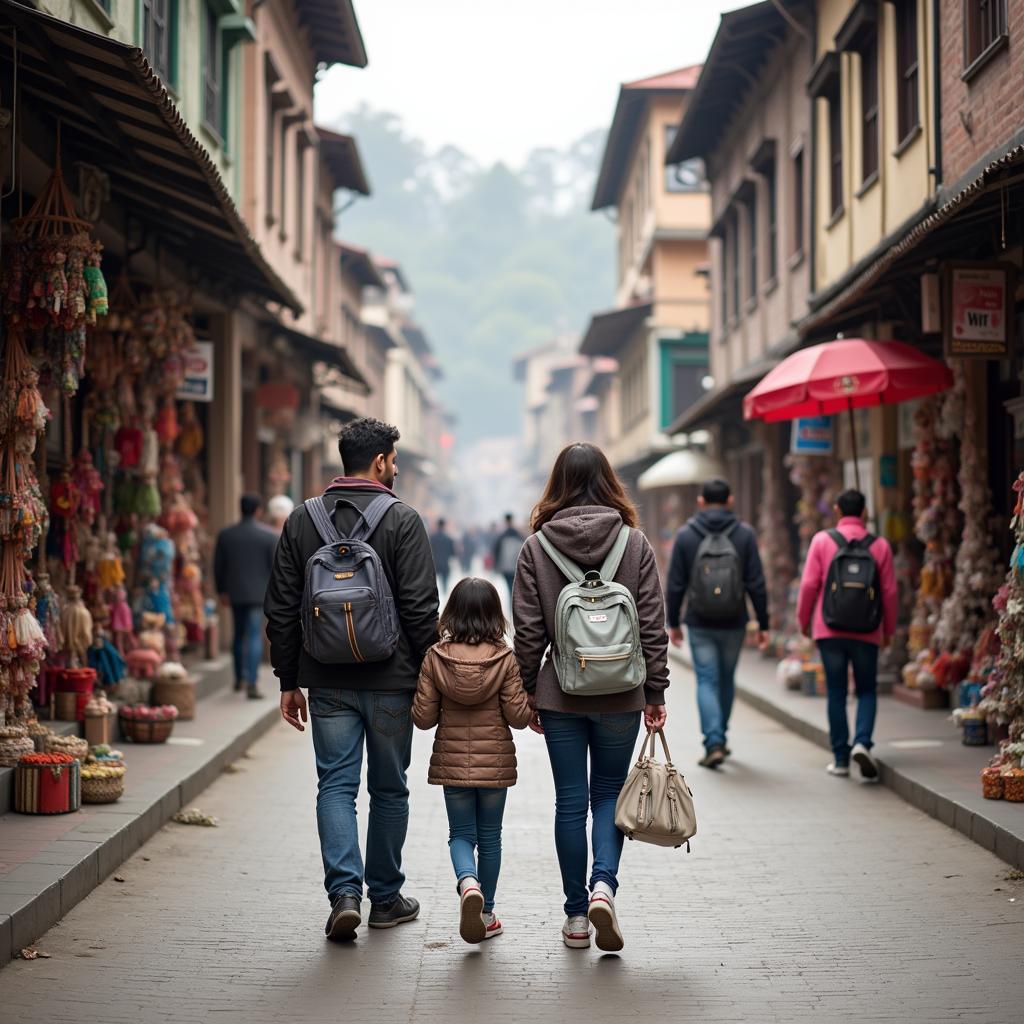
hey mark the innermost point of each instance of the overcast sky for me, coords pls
(498, 78)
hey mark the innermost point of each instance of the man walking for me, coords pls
(506, 553)
(367, 703)
(442, 547)
(848, 602)
(715, 566)
(242, 561)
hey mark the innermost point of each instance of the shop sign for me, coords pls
(275, 397)
(977, 312)
(198, 383)
(812, 435)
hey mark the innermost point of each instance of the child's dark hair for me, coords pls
(473, 614)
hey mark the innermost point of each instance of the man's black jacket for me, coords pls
(684, 554)
(403, 546)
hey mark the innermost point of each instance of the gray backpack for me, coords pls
(348, 610)
(597, 647)
(716, 589)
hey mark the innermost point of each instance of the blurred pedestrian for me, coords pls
(467, 550)
(715, 566)
(363, 703)
(279, 508)
(470, 688)
(505, 552)
(242, 562)
(582, 514)
(848, 602)
(442, 547)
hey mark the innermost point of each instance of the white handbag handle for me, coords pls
(652, 739)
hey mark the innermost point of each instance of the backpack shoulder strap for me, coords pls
(569, 568)
(322, 520)
(373, 514)
(867, 540)
(839, 539)
(696, 527)
(732, 529)
(614, 557)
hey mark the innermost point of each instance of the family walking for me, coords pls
(352, 614)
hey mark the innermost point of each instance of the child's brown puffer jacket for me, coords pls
(472, 693)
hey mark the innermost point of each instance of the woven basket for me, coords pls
(179, 692)
(14, 741)
(138, 731)
(73, 745)
(1013, 787)
(102, 791)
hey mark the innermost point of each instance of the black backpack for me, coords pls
(716, 590)
(853, 597)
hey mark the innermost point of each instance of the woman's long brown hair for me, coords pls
(582, 475)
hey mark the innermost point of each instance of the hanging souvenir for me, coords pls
(147, 498)
(76, 624)
(121, 621)
(64, 501)
(106, 659)
(166, 423)
(190, 436)
(89, 485)
(48, 612)
(128, 445)
(109, 570)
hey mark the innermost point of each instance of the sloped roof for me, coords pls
(333, 31)
(341, 154)
(360, 265)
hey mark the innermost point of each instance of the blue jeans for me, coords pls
(474, 835)
(248, 644)
(609, 739)
(341, 721)
(837, 655)
(715, 653)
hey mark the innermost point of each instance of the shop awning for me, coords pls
(115, 113)
(608, 332)
(360, 265)
(325, 352)
(677, 469)
(333, 31)
(341, 154)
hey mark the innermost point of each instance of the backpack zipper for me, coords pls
(352, 632)
(583, 659)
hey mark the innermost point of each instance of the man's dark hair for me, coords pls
(250, 504)
(361, 441)
(851, 503)
(441, 524)
(509, 518)
(716, 492)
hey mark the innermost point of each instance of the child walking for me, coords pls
(470, 688)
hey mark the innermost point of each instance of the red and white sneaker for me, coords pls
(576, 932)
(492, 926)
(471, 909)
(601, 914)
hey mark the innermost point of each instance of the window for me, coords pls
(300, 194)
(158, 27)
(213, 65)
(687, 176)
(984, 28)
(734, 264)
(835, 146)
(723, 283)
(283, 183)
(752, 247)
(907, 115)
(768, 171)
(798, 202)
(268, 156)
(869, 108)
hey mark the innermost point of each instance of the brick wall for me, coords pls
(985, 112)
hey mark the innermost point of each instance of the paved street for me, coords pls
(805, 898)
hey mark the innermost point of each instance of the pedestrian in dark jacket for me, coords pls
(242, 561)
(581, 513)
(505, 552)
(368, 702)
(715, 644)
(442, 547)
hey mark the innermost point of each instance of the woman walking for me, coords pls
(581, 514)
(469, 687)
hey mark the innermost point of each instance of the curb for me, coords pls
(979, 829)
(71, 883)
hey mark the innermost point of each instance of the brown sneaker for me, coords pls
(713, 758)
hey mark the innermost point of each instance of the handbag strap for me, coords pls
(652, 739)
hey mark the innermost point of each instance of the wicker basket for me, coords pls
(14, 741)
(179, 692)
(140, 731)
(73, 745)
(1013, 786)
(103, 791)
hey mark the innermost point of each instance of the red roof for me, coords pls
(681, 78)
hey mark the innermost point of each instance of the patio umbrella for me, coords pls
(843, 375)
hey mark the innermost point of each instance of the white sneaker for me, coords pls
(865, 762)
(601, 915)
(576, 932)
(838, 769)
(471, 911)
(492, 925)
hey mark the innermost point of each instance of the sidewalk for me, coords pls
(919, 753)
(48, 863)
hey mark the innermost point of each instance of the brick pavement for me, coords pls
(805, 898)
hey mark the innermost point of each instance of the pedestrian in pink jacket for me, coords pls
(848, 604)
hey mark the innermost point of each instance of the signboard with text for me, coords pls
(812, 435)
(978, 310)
(198, 383)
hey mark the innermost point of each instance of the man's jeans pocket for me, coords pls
(391, 713)
(326, 701)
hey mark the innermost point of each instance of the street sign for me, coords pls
(812, 435)
(198, 383)
(977, 314)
